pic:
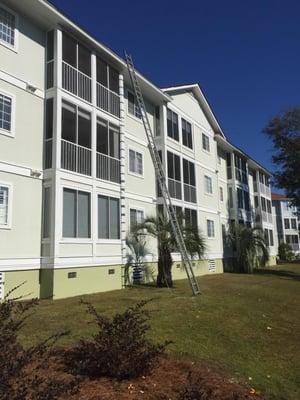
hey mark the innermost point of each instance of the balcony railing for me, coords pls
(174, 188)
(189, 193)
(76, 158)
(262, 188)
(108, 100)
(76, 82)
(108, 168)
(48, 154)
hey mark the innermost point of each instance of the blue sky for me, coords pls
(244, 55)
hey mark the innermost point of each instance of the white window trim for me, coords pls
(203, 149)
(127, 108)
(143, 161)
(4, 132)
(108, 240)
(221, 190)
(192, 133)
(15, 47)
(212, 190)
(137, 208)
(214, 222)
(9, 205)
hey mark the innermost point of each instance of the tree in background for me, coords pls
(284, 131)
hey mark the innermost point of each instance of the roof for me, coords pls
(199, 95)
(279, 196)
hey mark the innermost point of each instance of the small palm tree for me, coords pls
(248, 246)
(160, 228)
(137, 251)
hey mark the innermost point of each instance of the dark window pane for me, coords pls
(103, 215)
(114, 80)
(192, 174)
(50, 45)
(84, 60)
(69, 213)
(177, 168)
(83, 218)
(175, 126)
(114, 218)
(170, 165)
(102, 72)
(114, 145)
(169, 123)
(186, 178)
(68, 129)
(49, 118)
(69, 50)
(102, 136)
(131, 103)
(84, 128)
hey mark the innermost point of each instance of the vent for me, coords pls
(111, 272)
(211, 265)
(72, 275)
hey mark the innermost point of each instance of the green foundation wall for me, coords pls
(30, 288)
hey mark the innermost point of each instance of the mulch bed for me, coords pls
(167, 380)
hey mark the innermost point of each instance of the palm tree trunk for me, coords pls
(164, 277)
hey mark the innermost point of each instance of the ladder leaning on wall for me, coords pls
(160, 176)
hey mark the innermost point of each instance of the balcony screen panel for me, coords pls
(83, 215)
(103, 214)
(84, 60)
(49, 118)
(68, 122)
(192, 174)
(84, 128)
(114, 80)
(114, 142)
(114, 222)
(186, 178)
(50, 45)
(102, 72)
(170, 165)
(177, 168)
(69, 50)
(102, 137)
(69, 213)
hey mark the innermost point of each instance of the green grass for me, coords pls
(226, 325)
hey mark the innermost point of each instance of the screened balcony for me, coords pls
(76, 82)
(108, 168)
(107, 94)
(107, 100)
(175, 189)
(189, 193)
(76, 158)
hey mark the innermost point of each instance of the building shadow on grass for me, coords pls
(278, 272)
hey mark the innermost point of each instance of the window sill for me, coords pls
(206, 151)
(109, 241)
(76, 241)
(136, 175)
(134, 117)
(5, 227)
(9, 47)
(7, 133)
(208, 194)
(173, 140)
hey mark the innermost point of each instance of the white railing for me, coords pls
(76, 158)
(264, 216)
(262, 188)
(189, 193)
(48, 154)
(50, 74)
(270, 218)
(255, 186)
(268, 191)
(76, 82)
(108, 100)
(108, 168)
(174, 188)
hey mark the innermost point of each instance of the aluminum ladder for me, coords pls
(160, 176)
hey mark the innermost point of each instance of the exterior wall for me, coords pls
(282, 212)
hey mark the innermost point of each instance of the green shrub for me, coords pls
(285, 252)
(119, 349)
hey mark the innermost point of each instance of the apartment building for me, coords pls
(287, 221)
(75, 170)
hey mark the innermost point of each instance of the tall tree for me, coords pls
(284, 131)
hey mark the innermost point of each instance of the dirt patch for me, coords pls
(168, 381)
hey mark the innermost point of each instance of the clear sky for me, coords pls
(244, 54)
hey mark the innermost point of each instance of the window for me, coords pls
(266, 237)
(133, 107)
(293, 223)
(240, 198)
(157, 121)
(76, 214)
(286, 223)
(108, 138)
(46, 211)
(221, 194)
(172, 125)
(189, 181)
(205, 142)
(208, 184)
(269, 206)
(7, 28)
(190, 217)
(6, 114)
(107, 76)
(187, 138)
(228, 163)
(210, 228)
(4, 206)
(240, 169)
(174, 175)
(136, 216)
(230, 197)
(263, 204)
(135, 162)
(271, 237)
(76, 55)
(108, 218)
(76, 125)
(246, 201)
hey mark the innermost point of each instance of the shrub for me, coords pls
(285, 252)
(119, 349)
(15, 382)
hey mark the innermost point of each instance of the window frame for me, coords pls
(136, 115)
(9, 186)
(221, 194)
(188, 135)
(206, 177)
(205, 136)
(172, 136)
(137, 210)
(5, 132)
(15, 47)
(207, 229)
(135, 152)
(109, 197)
(286, 223)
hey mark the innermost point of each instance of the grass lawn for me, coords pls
(249, 325)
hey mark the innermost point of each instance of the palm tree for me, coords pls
(248, 246)
(160, 228)
(137, 251)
